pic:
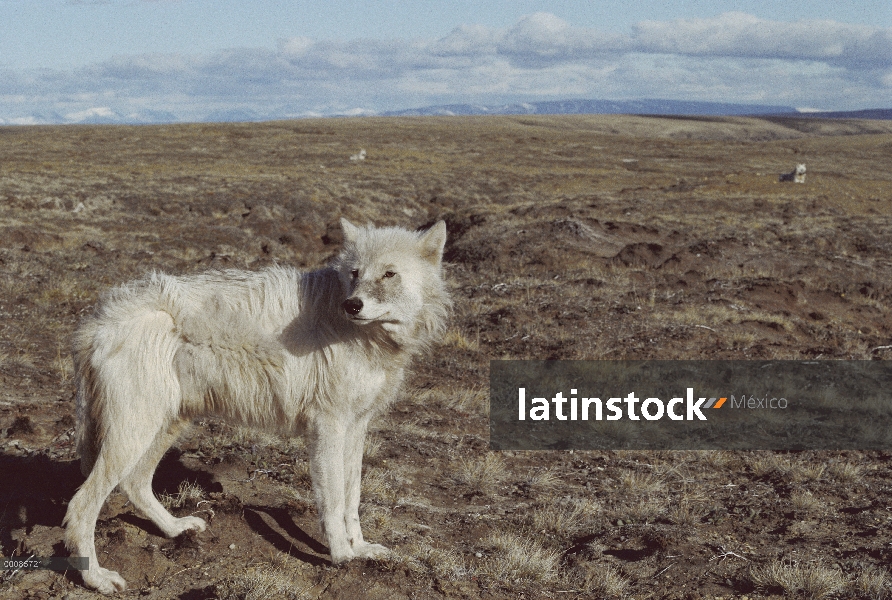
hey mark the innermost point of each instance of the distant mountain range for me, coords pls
(597, 107)
(635, 107)
(553, 107)
(870, 113)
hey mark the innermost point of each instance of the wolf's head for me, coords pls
(800, 169)
(392, 278)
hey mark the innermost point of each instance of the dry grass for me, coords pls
(460, 341)
(846, 472)
(188, 494)
(873, 583)
(517, 559)
(435, 562)
(640, 483)
(253, 438)
(811, 581)
(541, 482)
(686, 513)
(644, 510)
(264, 582)
(719, 315)
(602, 581)
(765, 464)
(63, 364)
(465, 400)
(371, 448)
(480, 475)
(805, 502)
(380, 485)
(563, 518)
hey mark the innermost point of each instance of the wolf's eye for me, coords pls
(354, 273)
(389, 274)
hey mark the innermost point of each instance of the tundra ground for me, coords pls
(570, 237)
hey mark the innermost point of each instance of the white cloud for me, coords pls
(545, 37)
(732, 57)
(741, 35)
(295, 47)
(466, 40)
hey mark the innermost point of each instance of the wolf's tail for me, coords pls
(123, 367)
(86, 431)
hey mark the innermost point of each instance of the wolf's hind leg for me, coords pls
(138, 485)
(121, 450)
(80, 527)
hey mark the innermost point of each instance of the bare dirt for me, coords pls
(570, 238)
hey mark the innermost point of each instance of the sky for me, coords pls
(187, 60)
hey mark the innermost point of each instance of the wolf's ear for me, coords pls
(351, 231)
(433, 241)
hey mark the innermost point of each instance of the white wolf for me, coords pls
(319, 352)
(796, 176)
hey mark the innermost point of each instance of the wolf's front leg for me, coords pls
(327, 438)
(353, 449)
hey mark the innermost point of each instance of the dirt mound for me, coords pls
(642, 254)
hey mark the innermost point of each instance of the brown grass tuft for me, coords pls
(481, 475)
(811, 581)
(518, 559)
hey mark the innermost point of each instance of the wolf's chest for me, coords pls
(339, 382)
(366, 389)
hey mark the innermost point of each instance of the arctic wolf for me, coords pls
(797, 175)
(319, 353)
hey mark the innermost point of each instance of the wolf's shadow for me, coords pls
(259, 517)
(35, 490)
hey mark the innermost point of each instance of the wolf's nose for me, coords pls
(352, 306)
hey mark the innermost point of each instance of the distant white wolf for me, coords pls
(317, 352)
(797, 175)
(358, 156)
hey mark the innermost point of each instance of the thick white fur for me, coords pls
(275, 349)
(797, 175)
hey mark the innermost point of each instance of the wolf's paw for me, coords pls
(342, 555)
(104, 581)
(373, 551)
(185, 524)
